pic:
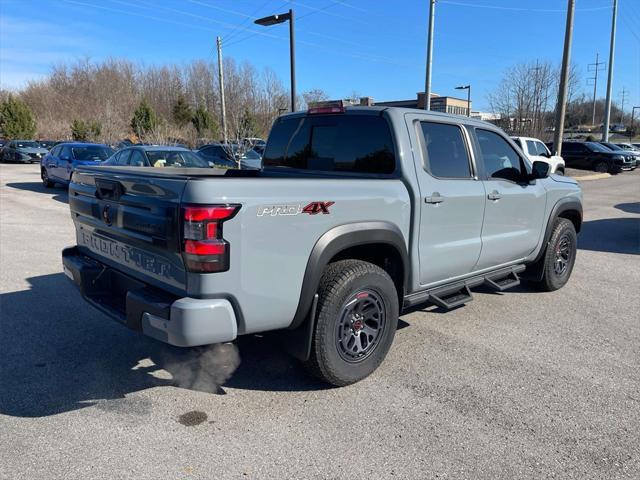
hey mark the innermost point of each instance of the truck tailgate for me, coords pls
(131, 222)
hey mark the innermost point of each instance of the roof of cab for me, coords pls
(373, 110)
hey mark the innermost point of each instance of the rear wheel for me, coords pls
(560, 256)
(45, 178)
(356, 322)
(560, 171)
(601, 167)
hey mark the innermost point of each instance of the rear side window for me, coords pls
(332, 143)
(446, 154)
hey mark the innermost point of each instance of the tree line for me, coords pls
(118, 99)
(526, 99)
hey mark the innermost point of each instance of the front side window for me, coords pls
(542, 149)
(332, 143)
(445, 151)
(136, 159)
(499, 158)
(532, 148)
(123, 158)
(65, 154)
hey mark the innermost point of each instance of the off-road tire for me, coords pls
(340, 282)
(552, 279)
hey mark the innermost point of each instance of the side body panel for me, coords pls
(271, 239)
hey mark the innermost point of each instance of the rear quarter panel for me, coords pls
(269, 251)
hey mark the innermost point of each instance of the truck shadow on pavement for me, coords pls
(630, 207)
(615, 235)
(59, 355)
(60, 193)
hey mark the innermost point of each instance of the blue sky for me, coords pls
(373, 47)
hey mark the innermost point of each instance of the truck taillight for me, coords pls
(204, 248)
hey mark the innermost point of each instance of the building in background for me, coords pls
(456, 106)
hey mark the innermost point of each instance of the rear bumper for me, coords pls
(183, 322)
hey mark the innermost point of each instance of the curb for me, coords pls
(595, 176)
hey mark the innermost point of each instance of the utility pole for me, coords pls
(595, 70)
(221, 84)
(561, 107)
(427, 86)
(612, 46)
(623, 94)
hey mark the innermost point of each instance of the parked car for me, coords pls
(593, 156)
(48, 144)
(634, 156)
(156, 156)
(22, 151)
(58, 165)
(3, 142)
(231, 156)
(356, 215)
(537, 151)
(634, 147)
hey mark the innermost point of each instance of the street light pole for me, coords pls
(468, 89)
(292, 59)
(427, 86)
(281, 18)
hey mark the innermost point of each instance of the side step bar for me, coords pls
(501, 284)
(451, 299)
(458, 293)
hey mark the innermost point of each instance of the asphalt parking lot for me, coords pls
(515, 385)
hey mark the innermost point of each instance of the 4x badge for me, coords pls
(312, 208)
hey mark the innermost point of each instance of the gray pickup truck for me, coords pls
(357, 214)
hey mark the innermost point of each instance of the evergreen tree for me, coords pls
(144, 119)
(82, 131)
(79, 131)
(16, 119)
(204, 123)
(182, 113)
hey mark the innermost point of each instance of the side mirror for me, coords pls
(539, 170)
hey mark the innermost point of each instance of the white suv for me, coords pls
(537, 151)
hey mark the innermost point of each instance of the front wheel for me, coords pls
(356, 322)
(560, 171)
(601, 167)
(560, 256)
(45, 178)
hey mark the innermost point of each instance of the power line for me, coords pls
(519, 9)
(248, 20)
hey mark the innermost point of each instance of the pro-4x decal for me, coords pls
(312, 208)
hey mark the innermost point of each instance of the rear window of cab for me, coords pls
(350, 144)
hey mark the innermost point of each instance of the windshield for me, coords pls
(28, 145)
(596, 147)
(612, 146)
(176, 158)
(96, 154)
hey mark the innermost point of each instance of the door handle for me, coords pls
(434, 198)
(495, 195)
